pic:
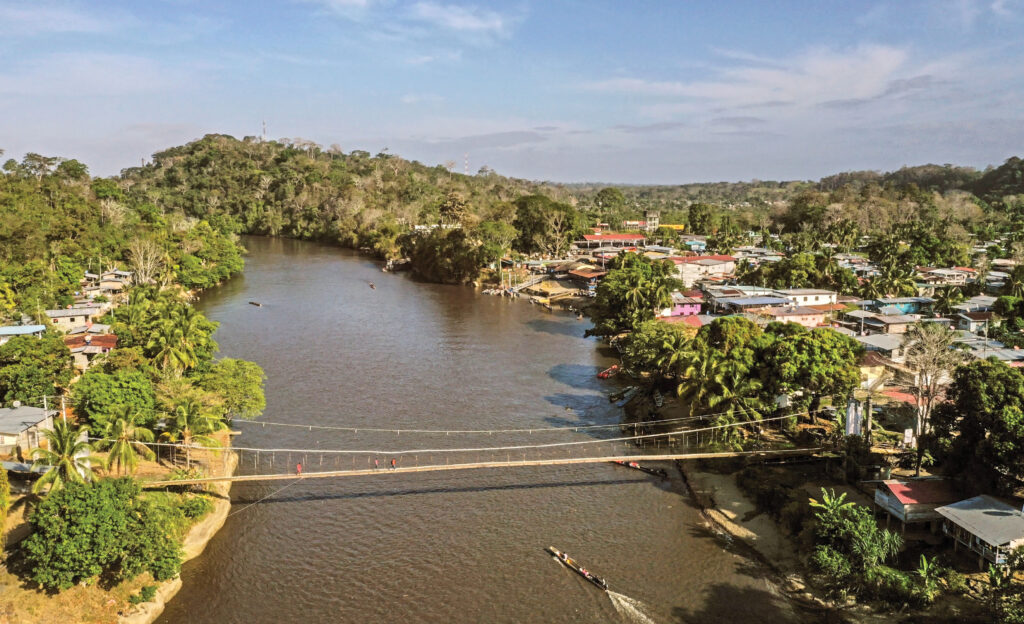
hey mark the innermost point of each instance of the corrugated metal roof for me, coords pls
(21, 330)
(928, 492)
(14, 420)
(755, 301)
(987, 518)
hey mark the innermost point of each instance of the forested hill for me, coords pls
(296, 188)
(186, 207)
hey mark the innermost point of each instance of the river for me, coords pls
(463, 546)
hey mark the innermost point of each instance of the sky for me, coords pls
(643, 92)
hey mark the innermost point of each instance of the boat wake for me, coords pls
(632, 611)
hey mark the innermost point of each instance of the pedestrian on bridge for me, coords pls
(376, 464)
(393, 464)
(298, 468)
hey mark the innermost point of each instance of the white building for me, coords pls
(809, 296)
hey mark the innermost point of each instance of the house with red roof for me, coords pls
(913, 502)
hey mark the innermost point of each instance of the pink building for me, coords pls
(685, 304)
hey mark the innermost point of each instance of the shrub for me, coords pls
(832, 564)
(146, 594)
(891, 586)
(196, 507)
(104, 528)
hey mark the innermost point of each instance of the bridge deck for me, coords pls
(488, 464)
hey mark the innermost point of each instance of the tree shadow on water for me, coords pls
(727, 603)
(576, 375)
(571, 328)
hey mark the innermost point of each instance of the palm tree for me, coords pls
(125, 439)
(672, 353)
(946, 298)
(191, 423)
(735, 397)
(897, 282)
(698, 371)
(68, 457)
(870, 289)
(176, 339)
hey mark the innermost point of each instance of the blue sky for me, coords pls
(565, 90)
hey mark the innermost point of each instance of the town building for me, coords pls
(985, 526)
(977, 322)
(611, 240)
(685, 304)
(913, 502)
(85, 346)
(22, 427)
(68, 318)
(801, 315)
(10, 331)
(692, 269)
(809, 296)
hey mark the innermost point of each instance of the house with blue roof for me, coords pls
(10, 331)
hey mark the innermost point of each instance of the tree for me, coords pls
(499, 234)
(700, 219)
(179, 340)
(147, 259)
(544, 225)
(634, 289)
(239, 384)
(99, 396)
(125, 438)
(983, 420)
(658, 348)
(931, 358)
(848, 540)
(454, 208)
(947, 297)
(32, 367)
(609, 199)
(102, 529)
(821, 362)
(67, 458)
(191, 422)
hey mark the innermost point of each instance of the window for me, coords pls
(55, 321)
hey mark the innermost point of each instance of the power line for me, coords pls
(467, 431)
(487, 431)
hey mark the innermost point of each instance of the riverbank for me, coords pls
(192, 546)
(728, 509)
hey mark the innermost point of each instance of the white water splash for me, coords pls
(632, 611)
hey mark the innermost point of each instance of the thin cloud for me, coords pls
(466, 20)
(651, 128)
(422, 98)
(33, 19)
(76, 75)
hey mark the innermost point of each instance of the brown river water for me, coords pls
(461, 546)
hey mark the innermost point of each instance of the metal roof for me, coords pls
(805, 291)
(74, 312)
(14, 420)
(21, 330)
(987, 518)
(888, 342)
(755, 301)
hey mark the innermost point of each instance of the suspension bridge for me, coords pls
(274, 464)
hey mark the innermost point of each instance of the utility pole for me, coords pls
(264, 138)
(63, 410)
